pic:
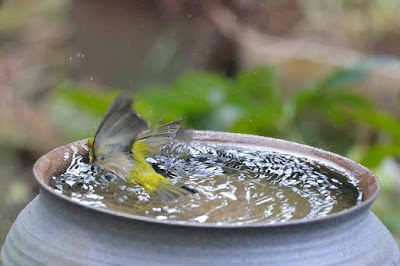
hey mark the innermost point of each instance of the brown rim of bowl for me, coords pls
(369, 184)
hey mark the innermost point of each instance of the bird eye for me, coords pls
(101, 158)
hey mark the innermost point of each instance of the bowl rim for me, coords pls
(238, 139)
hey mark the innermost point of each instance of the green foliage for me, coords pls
(92, 101)
(323, 115)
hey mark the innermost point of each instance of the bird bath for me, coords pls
(55, 230)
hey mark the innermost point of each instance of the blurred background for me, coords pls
(319, 72)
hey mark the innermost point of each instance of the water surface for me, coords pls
(234, 185)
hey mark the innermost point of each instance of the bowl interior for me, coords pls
(59, 158)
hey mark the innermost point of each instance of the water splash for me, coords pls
(235, 185)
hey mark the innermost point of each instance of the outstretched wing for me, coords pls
(160, 135)
(119, 129)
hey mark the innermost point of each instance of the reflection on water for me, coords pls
(239, 185)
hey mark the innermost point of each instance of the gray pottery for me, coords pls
(54, 230)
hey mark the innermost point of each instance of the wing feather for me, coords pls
(161, 135)
(120, 127)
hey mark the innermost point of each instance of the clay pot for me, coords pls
(54, 230)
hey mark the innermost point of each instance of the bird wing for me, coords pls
(160, 135)
(119, 129)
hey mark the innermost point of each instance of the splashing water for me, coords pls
(234, 185)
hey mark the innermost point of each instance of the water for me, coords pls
(234, 185)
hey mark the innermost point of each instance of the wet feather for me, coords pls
(122, 143)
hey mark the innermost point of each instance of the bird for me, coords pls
(122, 143)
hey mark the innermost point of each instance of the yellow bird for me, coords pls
(122, 143)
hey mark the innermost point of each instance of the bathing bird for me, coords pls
(122, 143)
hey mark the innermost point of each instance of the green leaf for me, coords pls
(257, 121)
(330, 103)
(70, 120)
(195, 95)
(92, 101)
(258, 87)
(351, 76)
(200, 86)
(171, 101)
(376, 153)
(345, 77)
(335, 106)
(378, 120)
